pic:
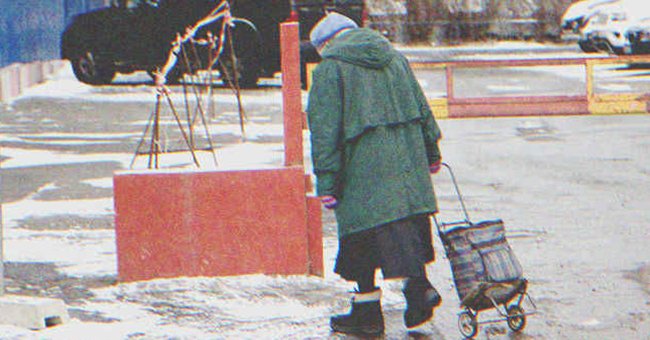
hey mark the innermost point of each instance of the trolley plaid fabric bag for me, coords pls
(479, 254)
(486, 272)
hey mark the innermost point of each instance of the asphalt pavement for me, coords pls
(573, 191)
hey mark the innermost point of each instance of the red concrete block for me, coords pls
(214, 224)
(315, 236)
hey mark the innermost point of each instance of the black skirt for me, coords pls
(400, 249)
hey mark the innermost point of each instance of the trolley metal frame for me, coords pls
(513, 314)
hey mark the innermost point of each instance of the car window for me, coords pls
(152, 3)
(600, 19)
(131, 4)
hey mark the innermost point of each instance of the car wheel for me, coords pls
(245, 63)
(587, 47)
(247, 76)
(91, 70)
(175, 76)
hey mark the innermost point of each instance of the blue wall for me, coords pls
(31, 30)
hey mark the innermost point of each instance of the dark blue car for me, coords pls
(137, 35)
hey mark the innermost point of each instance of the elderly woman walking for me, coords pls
(374, 144)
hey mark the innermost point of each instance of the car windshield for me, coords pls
(131, 4)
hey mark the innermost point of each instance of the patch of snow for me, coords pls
(506, 88)
(21, 157)
(76, 330)
(590, 322)
(616, 87)
(106, 182)
(67, 142)
(79, 135)
(30, 207)
(66, 86)
(75, 252)
(9, 332)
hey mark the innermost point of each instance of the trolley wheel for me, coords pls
(467, 324)
(516, 318)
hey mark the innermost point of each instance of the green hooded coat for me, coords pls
(373, 134)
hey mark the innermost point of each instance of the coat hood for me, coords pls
(363, 47)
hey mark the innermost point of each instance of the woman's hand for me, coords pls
(435, 167)
(329, 201)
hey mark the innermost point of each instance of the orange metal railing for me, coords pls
(587, 102)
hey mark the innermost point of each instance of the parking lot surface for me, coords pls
(573, 192)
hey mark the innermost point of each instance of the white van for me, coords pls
(605, 29)
(576, 16)
(604, 25)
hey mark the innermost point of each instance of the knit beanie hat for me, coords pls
(328, 26)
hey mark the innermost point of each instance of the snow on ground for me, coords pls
(75, 252)
(572, 190)
(19, 157)
(141, 90)
(570, 187)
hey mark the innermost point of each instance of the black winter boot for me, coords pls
(421, 300)
(365, 316)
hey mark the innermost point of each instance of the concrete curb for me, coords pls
(16, 78)
(32, 312)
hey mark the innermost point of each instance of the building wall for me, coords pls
(30, 30)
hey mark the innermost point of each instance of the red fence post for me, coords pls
(449, 75)
(291, 98)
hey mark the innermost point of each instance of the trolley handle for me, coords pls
(460, 198)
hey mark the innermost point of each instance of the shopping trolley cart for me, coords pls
(486, 273)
